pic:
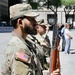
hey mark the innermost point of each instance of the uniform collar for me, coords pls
(15, 34)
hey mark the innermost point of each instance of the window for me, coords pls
(50, 18)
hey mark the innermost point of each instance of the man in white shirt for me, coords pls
(68, 38)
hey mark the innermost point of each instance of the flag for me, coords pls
(23, 57)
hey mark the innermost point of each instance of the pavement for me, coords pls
(4, 39)
(67, 61)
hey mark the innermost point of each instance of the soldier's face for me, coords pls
(41, 29)
(29, 26)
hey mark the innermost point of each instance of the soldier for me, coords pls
(18, 56)
(38, 48)
(41, 30)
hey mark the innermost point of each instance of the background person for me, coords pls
(68, 38)
(63, 37)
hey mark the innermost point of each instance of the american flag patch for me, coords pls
(23, 57)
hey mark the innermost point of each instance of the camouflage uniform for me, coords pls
(36, 45)
(38, 50)
(46, 46)
(14, 64)
(11, 65)
(46, 50)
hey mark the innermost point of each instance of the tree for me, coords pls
(69, 5)
(34, 4)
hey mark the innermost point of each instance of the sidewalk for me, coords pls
(67, 63)
(4, 39)
(68, 60)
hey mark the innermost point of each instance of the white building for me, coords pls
(62, 17)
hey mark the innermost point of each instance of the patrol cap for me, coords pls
(39, 21)
(45, 24)
(22, 9)
(42, 23)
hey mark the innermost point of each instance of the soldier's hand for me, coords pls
(43, 44)
(58, 48)
(56, 72)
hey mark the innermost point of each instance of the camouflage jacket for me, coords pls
(11, 66)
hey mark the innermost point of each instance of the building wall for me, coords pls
(62, 17)
(43, 15)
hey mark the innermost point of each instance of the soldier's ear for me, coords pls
(19, 21)
(37, 27)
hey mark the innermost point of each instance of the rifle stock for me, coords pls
(54, 58)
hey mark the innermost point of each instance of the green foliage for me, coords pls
(30, 1)
(56, 3)
(68, 2)
(33, 4)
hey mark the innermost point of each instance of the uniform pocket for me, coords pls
(19, 68)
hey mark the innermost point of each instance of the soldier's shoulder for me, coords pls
(39, 38)
(13, 45)
(16, 44)
(13, 39)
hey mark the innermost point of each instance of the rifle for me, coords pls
(54, 58)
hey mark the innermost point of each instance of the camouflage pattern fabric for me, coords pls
(11, 66)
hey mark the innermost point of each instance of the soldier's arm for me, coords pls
(22, 57)
(6, 65)
(8, 59)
